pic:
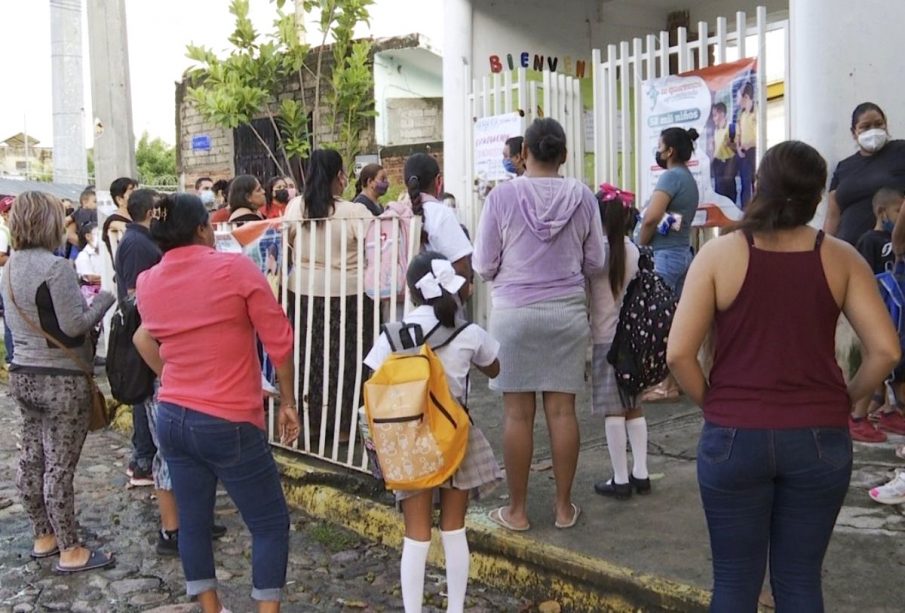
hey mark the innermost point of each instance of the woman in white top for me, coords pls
(623, 416)
(433, 286)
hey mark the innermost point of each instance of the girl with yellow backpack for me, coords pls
(433, 285)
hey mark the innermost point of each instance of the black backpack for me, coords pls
(638, 353)
(131, 380)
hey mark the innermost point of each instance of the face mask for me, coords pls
(381, 187)
(292, 193)
(873, 140)
(281, 196)
(508, 166)
(661, 161)
(207, 197)
(888, 225)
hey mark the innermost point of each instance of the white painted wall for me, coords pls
(395, 76)
(710, 10)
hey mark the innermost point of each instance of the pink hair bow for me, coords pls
(611, 192)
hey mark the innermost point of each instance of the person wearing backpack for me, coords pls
(775, 456)
(624, 420)
(434, 287)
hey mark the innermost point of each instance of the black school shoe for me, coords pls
(168, 544)
(642, 486)
(619, 491)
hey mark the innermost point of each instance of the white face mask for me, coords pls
(873, 140)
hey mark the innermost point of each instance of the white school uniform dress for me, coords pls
(479, 471)
(605, 309)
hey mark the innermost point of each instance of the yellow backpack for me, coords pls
(419, 430)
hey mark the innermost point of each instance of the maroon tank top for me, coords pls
(775, 359)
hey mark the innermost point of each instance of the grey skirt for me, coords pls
(606, 397)
(543, 346)
(479, 471)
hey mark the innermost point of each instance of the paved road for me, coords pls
(329, 569)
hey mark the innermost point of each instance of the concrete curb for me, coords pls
(499, 558)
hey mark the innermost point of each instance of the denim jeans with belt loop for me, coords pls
(200, 450)
(776, 494)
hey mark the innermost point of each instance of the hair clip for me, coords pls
(611, 192)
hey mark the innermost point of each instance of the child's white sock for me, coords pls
(455, 546)
(615, 443)
(411, 573)
(637, 436)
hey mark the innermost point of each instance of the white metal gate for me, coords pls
(617, 82)
(556, 95)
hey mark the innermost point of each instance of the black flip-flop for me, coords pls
(96, 560)
(47, 554)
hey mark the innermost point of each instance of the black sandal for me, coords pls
(96, 560)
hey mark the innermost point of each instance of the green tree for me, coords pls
(251, 80)
(155, 160)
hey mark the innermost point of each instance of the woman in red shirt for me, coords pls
(775, 455)
(210, 421)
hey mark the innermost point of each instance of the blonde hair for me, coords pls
(36, 221)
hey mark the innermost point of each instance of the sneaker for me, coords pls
(141, 477)
(893, 421)
(891, 493)
(611, 489)
(167, 543)
(864, 431)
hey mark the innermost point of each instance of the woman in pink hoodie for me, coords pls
(538, 241)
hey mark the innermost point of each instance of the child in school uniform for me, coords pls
(623, 417)
(433, 285)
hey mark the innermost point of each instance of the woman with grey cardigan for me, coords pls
(43, 301)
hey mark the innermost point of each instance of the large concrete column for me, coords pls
(69, 160)
(111, 94)
(841, 57)
(457, 46)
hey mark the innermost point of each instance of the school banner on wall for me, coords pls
(718, 102)
(490, 134)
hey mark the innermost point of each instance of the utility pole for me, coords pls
(111, 94)
(70, 164)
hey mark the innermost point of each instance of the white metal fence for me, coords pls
(617, 87)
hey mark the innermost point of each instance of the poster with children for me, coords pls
(718, 102)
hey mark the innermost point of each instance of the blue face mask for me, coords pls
(508, 166)
(888, 225)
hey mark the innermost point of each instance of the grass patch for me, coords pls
(332, 537)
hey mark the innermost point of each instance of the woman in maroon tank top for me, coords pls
(775, 455)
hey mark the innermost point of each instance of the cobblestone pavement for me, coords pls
(330, 569)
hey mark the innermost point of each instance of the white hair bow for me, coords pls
(442, 276)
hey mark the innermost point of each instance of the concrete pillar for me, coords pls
(111, 95)
(457, 46)
(839, 60)
(70, 164)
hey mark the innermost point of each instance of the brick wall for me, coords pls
(393, 159)
(414, 120)
(218, 163)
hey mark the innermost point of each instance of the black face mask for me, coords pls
(661, 161)
(281, 196)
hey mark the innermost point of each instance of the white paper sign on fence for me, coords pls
(490, 135)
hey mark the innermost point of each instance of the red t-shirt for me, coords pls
(220, 215)
(205, 308)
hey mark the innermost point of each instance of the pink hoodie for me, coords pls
(538, 239)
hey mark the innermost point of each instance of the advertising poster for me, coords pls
(718, 102)
(490, 134)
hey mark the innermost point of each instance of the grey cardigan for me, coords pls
(47, 290)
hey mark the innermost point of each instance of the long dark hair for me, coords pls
(323, 167)
(421, 170)
(615, 217)
(180, 217)
(364, 177)
(240, 191)
(790, 182)
(681, 140)
(445, 306)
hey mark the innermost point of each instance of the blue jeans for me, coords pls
(201, 449)
(776, 493)
(672, 265)
(143, 447)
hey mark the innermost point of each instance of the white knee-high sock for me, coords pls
(615, 442)
(455, 546)
(637, 436)
(411, 573)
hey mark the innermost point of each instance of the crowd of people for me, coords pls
(775, 454)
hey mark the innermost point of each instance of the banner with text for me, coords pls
(490, 134)
(718, 102)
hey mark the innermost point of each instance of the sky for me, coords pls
(158, 32)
